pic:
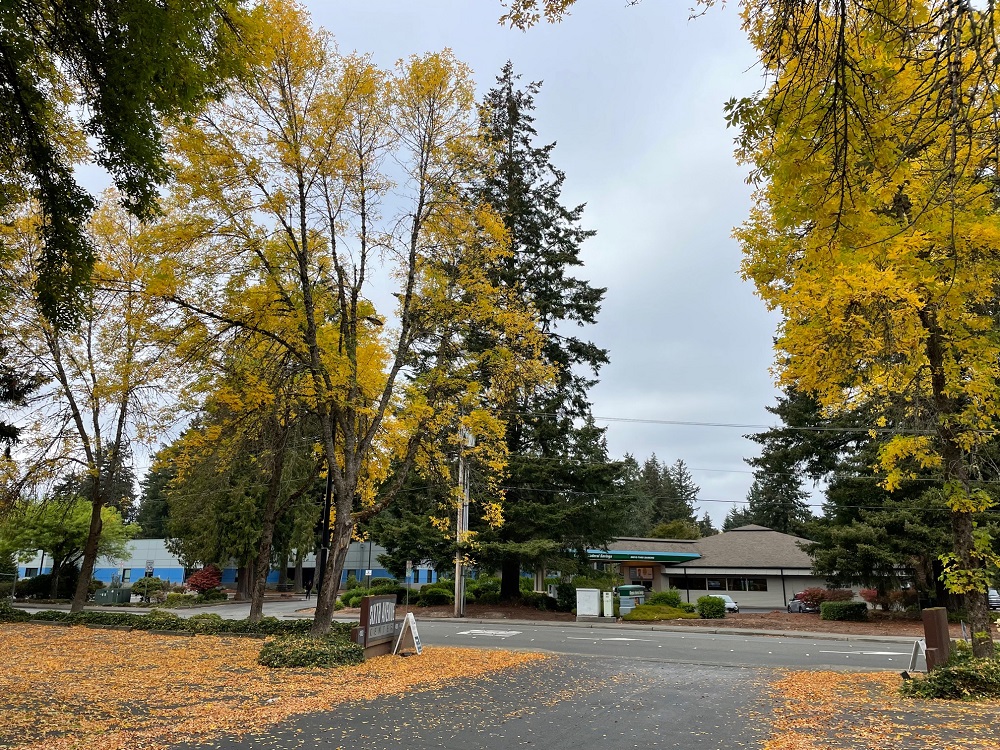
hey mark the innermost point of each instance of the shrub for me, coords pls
(11, 614)
(814, 597)
(352, 582)
(687, 607)
(207, 622)
(711, 608)
(304, 651)
(173, 600)
(852, 611)
(668, 598)
(539, 600)
(484, 585)
(652, 612)
(431, 597)
(212, 595)
(489, 597)
(151, 589)
(206, 579)
(6, 587)
(961, 679)
(39, 586)
(565, 596)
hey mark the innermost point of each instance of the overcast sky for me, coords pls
(633, 96)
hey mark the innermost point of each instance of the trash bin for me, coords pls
(630, 597)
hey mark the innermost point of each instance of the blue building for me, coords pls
(151, 556)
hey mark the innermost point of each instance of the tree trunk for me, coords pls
(956, 470)
(326, 598)
(243, 576)
(510, 579)
(299, 583)
(261, 568)
(57, 565)
(89, 557)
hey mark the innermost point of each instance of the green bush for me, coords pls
(6, 587)
(351, 583)
(852, 611)
(960, 679)
(212, 595)
(151, 589)
(207, 622)
(432, 597)
(668, 598)
(539, 600)
(651, 612)
(488, 597)
(711, 608)
(687, 607)
(39, 586)
(12, 614)
(304, 651)
(174, 600)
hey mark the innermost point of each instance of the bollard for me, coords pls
(936, 636)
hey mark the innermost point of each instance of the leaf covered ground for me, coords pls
(76, 687)
(863, 711)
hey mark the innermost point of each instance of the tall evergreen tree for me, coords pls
(778, 502)
(677, 496)
(560, 487)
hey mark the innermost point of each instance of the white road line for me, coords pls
(491, 633)
(577, 638)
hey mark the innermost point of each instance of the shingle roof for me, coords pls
(639, 544)
(751, 546)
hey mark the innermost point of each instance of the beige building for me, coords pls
(756, 566)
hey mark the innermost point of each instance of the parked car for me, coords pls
(731, 606)
(994, 598)
(797, 605)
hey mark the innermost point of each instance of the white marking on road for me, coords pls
(866, 653)
(595, 640)
(491, 633)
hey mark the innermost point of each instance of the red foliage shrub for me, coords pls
(206, 579)
(813, 597)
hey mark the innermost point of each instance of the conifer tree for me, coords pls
(560, 478)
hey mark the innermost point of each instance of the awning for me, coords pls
(642, 555)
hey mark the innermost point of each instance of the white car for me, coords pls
(731, 606)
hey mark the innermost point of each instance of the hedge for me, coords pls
(209, 624)
(852, 611)
(305, 651)
(653, 612)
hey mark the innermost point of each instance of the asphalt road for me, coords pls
(689, 646)
(568, 703)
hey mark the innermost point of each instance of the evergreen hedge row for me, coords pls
(207, 624)
(844, 611)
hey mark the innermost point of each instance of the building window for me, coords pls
(748, 584)
(126, 575)
(30, 572)
(691, 583)
(642, 574)
(716, 584)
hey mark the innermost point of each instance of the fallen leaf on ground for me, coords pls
(76, 687)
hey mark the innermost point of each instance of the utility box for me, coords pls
(115, 595)
(588, 603)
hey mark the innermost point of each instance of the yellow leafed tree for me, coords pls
(876, 234)
(102, 384)
(319, 184)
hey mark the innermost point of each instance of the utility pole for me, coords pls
(465, 440)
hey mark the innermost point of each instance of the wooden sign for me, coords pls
(409, 632)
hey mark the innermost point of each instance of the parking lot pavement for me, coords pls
(563, 703)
